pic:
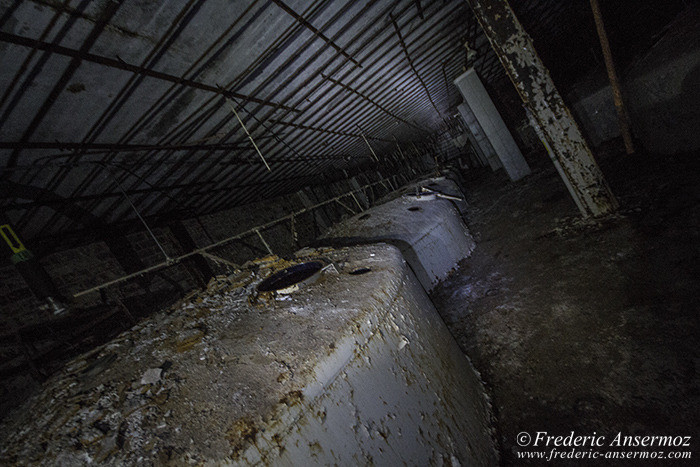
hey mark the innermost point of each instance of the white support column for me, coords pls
(482, 142)
(496, 131)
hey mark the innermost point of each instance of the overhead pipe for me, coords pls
(623, 118)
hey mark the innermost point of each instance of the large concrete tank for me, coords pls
(338, 359)
(426, 226)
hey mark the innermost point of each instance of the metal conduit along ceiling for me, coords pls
(156, 99)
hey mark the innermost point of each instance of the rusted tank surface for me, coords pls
(354, 366)
(423, 221)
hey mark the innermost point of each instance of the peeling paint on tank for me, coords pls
(432, 242)
(222, 400)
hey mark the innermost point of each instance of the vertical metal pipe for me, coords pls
(269, 250)
(138, 214)
(622, 115)
(369, 145)
(356, 201)
(233, 109)
(295, 237)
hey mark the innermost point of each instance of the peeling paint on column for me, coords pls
(515, 50)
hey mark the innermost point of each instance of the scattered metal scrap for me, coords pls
(439, 194)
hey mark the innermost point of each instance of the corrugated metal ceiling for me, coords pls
(140, 93)
(142, 90)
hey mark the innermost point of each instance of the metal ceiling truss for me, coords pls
(335, 73)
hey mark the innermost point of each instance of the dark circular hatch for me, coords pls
(290, 276)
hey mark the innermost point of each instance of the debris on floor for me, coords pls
(578, 324)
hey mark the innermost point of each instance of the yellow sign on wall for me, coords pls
(11, 239)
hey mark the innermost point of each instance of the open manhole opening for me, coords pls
(364, 216)
(290, 276)
(360, 271)
(414, 208)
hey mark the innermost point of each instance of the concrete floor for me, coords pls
(584, 326)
